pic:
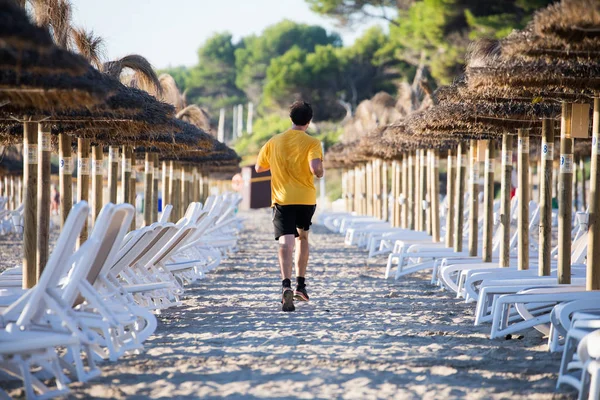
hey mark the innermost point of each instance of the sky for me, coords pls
(168, 32)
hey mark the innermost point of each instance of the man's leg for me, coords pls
(286, 250)
(302, 250)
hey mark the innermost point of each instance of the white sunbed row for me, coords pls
(514, 301)
(96, 302)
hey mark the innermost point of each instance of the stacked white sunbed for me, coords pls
(97, 302)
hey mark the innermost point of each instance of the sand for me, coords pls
(360, 337)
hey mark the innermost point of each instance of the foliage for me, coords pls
(437, 32)
(255, 53)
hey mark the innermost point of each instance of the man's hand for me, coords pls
(316, 167)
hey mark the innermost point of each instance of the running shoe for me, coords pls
(287, 300)
(300, 293)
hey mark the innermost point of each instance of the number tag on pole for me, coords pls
(566, 163)
(548, 151)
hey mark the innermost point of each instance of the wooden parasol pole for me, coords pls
(505, 186)
(65, 178)
(148, 185)
(133, 188)
(43, 193)
(83, 180)
(488, 201)
(384, 189)
(403, 197)
(113, 173)
(593, 249)
(175, 190)
(565, 197)
(473, 200)
(575, 184)
(422, 190)
(369, 188)
(97, 182)
(156, 178)
(583, 188)
(30, 199)
(166, 183)
(461, 173)
(523, 197)
(450, 197)
(410, 193)
(125, 174)
(394, 188)
(545, 188)
(435, 196)
(195, 185)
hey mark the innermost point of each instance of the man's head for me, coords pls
(301, 113)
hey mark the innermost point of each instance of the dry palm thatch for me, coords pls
(17, 31)
(170, 92)
(91, 47)
(41, 77)
(195, 116)
(572, 20)
(54, 14)
(144, 76)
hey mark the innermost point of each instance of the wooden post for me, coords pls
(507, 143)
(422, 191)
(369, 188)
(394, 199)
(156, 178)
(593, 250)
(175, 190)
(113, 173)
(435, 196)
(357, 191)
(133, 189)
(575, 185)
(43, 193)
(195, 185)
(488, 201)
(530, 182)
(83, 180)
(410, 196)
(565, 197)
(97, 182)
(545, 229)
(428, 190)
(451, 197)
(148, 185)
(125, 174)
(473, 200)
(384, 189)
(461, 172)
(417, 205)
(583, 188)
(404, 192)
(65, 178)
(30, 199)
(166, 183)
(523, 196)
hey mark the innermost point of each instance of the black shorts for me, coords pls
(286, 219)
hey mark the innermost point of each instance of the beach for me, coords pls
(359, 337)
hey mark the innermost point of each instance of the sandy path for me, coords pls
(360, 337)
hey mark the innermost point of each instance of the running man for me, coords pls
(294, 158)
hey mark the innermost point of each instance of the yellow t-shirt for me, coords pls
(288, 155)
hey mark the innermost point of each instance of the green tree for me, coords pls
(255, 53)
(213, 79)
(348, 12)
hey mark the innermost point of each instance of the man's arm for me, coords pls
(316, 167)
(260, 169)
(262, 161)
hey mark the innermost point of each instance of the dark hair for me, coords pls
(301, 113)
